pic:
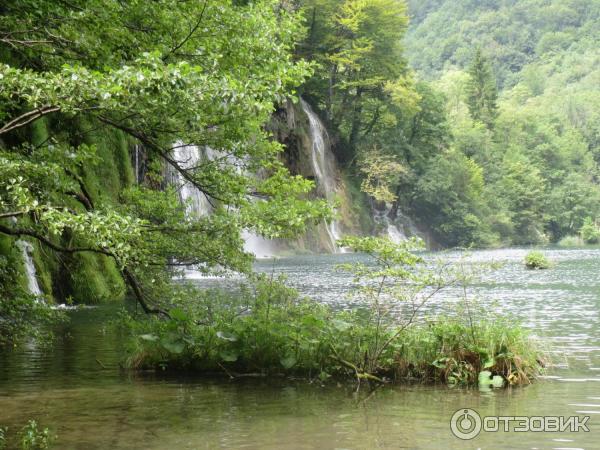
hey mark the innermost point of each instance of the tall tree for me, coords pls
(361, 70)
(482, 92)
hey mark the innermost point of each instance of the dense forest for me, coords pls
(478, 119)
(533, 157)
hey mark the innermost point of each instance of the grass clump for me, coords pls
(458, 352)
(268, 329)
(536, 261)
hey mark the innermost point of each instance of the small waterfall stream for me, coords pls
(188, 157)
(395, 234)
(197, 203)
(32, 283)
(323, 164)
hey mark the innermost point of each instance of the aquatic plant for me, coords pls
(460, 352)
(536, 261)
(267, 329)
(34, 438)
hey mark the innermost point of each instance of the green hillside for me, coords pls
(538, 157)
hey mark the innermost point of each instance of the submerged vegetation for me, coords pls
(30, 437)
(268, 330)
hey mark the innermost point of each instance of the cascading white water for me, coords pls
(395, 235)
(188, 157)
(398, 229)
(391, 229)
(323, 164)
(32, 283)
(197, 203)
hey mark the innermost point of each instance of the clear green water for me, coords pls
(96, 406)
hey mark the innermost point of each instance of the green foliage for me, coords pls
(590, 231)
(540, 159)
(361, 81)
(268, 329)
(381, 174)
(481, 91)
(450, 195)
(536, 261)
(515, 33)
(571, 242)
(32, 438)
(458, 352)
(109, 75)
(92, 279)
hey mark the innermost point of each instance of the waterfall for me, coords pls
(32, 283)
(188, 157)
(395, 234)
(396, 225)
(197, 203)
(323, 165)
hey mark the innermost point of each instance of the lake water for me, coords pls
(77, 390)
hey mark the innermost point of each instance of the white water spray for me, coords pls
(188, 157)
(197, 203)
(32, 283)
(323, 164)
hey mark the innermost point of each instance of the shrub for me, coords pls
(590, 232)
(536, 261)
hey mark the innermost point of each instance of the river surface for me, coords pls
(78, 391)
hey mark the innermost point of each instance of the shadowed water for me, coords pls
(78, 390)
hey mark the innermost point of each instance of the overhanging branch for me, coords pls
(125, 272)
(28, 117)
